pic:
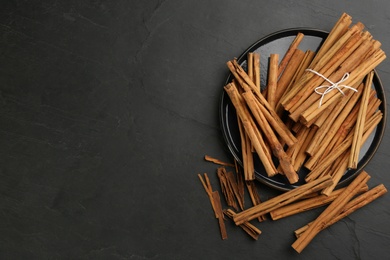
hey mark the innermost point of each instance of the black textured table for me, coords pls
(107, 109)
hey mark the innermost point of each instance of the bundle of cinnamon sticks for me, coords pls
(317, 109)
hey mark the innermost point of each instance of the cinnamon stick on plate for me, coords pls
(357, 137)
(272, 79)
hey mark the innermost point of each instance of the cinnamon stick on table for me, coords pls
(308, 204)
(217, 161)
(330, 212)
(353, 205)
(282, 200)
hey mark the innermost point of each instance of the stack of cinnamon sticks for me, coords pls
(326, 101)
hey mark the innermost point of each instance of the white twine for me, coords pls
(332, 86)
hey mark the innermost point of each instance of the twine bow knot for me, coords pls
(332, 86)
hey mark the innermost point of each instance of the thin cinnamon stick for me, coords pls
(217, 161)
(217, 203)
(250, 65)
(272, 79)
(256, 70)
(357, 137)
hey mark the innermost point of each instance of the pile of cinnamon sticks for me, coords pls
(317, 109)
(341, 202)
(316, 112)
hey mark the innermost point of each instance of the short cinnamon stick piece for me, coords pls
(218, 206)
(217, 161)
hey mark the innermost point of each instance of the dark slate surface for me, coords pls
(107, 109)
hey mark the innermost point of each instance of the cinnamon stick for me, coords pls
(256, 70)
(217, 161)
(272, 79)
(249, 62)
(217, 203)
(357, 137)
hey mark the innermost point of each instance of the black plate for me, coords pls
(278, 43)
